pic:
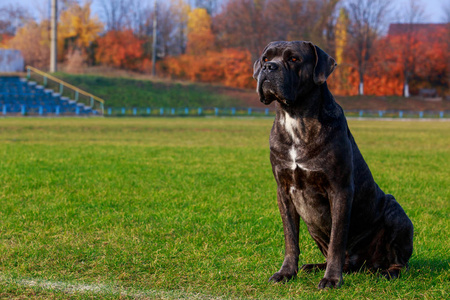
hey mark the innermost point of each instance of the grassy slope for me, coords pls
(128, 92)
(168, 208)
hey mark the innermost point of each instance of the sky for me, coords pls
(433, 8)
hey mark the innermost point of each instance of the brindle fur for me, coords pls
(321, 175)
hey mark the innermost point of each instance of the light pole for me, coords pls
(53, 36)
(155, 23)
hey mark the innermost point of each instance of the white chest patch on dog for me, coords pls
(292, 190)
(282, 120)
(293, 155)
(294, 164)
(303, 167)
(290, 124)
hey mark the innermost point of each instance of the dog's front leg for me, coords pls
(341, 203)
(291, 220)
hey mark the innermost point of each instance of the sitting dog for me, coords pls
(321, 174)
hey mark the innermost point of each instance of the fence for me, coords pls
(200, 111)
(397, 114)
(259, 112)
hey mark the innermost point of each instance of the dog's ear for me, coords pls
(324, 65)
(256, 68)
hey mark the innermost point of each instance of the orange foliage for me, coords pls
(4, 38)
(422, 56)
(146, 65)
(120, 49)
(344, 81)
(229, 66)
(435, 67)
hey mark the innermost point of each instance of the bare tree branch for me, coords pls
(12, 17)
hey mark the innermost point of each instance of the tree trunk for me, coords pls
(406, 89)
(361, 84)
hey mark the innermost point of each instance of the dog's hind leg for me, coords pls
(399, 242)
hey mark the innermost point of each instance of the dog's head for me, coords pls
(287, 70)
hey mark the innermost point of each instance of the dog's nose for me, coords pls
(270, 66)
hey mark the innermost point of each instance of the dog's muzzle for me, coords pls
(270, 91)
(266, 90)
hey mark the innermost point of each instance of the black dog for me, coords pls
(321, 175)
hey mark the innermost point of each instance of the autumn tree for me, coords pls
(77, 29)
(138, 18)
(367, 18)
(4, 40)
(12, 17)
(318, 19)
(33, 40)
(211, 6)
(116, 13)
(120, 49)
(407, 42)
(200, 38)
(430, 66)
(241, 25)
(172, 17)
(230, 67)
(179, 10)
(252, 24)
(342, 80)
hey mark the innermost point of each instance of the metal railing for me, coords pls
(66, 89)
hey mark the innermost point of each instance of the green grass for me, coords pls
(128, 92)
(185, 208)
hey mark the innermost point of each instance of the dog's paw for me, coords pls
(282, 277)
(391, 273)
(330, 283)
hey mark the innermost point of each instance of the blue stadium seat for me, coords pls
(19, 96)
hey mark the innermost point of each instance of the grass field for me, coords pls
(185, 208)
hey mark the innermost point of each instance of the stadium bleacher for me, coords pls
(21, 97)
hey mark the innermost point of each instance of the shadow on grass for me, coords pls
(432, 264)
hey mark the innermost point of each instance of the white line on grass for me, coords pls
(100, 289)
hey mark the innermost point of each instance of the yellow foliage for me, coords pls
(33, 40)
(76, 28)
(341, 35)
(199, 21)
(180, 9)
(200, 36)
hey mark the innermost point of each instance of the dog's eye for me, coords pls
(265, 59)
(293, 59)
